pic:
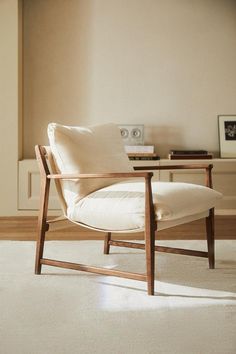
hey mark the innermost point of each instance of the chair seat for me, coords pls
(121, 206)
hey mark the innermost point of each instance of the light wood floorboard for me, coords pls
(25, 228)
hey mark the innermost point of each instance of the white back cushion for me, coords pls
(94, 149)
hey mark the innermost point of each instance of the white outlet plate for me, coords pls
(132, 134)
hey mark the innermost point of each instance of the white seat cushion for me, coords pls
(95, 149)
(121, 206)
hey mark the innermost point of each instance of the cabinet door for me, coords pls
(224, 180)
(29, 187)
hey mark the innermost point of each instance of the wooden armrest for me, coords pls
(206, 167)
(102, 175)
(176, 167)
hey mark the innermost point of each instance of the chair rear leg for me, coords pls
(210, 239)
(106, 243)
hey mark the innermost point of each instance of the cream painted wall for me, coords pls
(169, 64)
(9, 108)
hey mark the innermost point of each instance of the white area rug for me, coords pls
(69, 312)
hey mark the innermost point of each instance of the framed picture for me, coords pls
(227, 135)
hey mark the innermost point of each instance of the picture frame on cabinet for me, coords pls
(227, 135)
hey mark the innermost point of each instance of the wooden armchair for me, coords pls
(123, 199)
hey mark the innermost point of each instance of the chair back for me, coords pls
(46, 166)
(85, 150)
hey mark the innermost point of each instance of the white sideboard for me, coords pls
(224, 180)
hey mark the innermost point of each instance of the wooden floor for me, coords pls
(25, 228)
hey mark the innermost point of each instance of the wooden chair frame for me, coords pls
(150, 222)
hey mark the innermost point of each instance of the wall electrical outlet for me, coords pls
(132, 134)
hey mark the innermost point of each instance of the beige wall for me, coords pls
(169, 64)
(9, 107)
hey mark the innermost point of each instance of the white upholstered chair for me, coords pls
(99, 189)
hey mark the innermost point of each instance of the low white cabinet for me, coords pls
(224, 180)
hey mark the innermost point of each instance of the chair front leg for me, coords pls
(150, 226)
(150, 259)
(210, 232)
(42, 223)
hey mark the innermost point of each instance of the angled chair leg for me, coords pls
(106, 243)
(210, 239)
(44, 196)
(42, 224)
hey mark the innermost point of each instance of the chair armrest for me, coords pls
(147, 175)
(206, 167)
(175, 167)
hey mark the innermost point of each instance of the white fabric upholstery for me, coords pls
(162, 225)
(87, 150)
(121, 206)
(106, 204)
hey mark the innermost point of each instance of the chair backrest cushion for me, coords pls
(94, 149)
